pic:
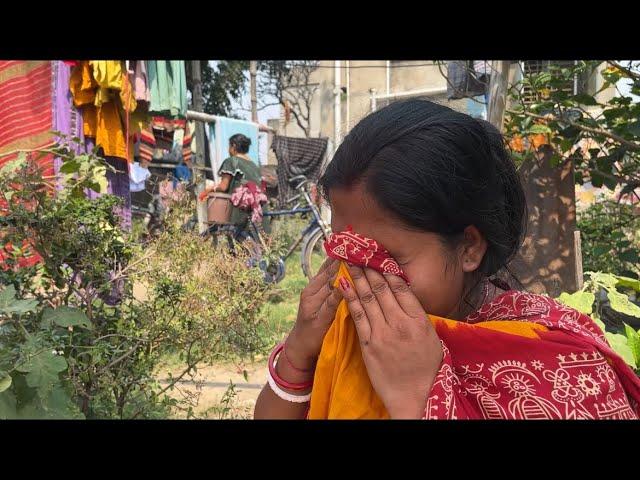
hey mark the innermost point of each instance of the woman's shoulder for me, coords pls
(537, 308)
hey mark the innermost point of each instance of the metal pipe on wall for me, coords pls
(337, 117)
(348, 96)
(388, 77)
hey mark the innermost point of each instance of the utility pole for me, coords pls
(198, 175)
(253, 74)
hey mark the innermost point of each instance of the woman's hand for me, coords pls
(318, 304)
(203, 195)
(400, 347)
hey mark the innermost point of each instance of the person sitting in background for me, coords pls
(236, 171)
(138, 175)
(183, 172)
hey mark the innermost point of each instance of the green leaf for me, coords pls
(633, 340)
(634, 128)
(539, 129)
(9, 304)
(70, 167)
(621, 303)
(581, 301)
(32, 411)
(607, 280)
(629, 256)
(566, 144)
(610, 183)
(59, 405)
(619, 345)
(5, 381)
(579, 178)
(65, 317)
(629, 283)
(585, 99)
(601, 250)
(7, 295)
(245, 374)
(597, 180)
(42, 369)
(8, 405)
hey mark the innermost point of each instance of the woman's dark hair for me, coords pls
(439, 171)
(240, 142)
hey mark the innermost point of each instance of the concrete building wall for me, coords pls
(365, 75)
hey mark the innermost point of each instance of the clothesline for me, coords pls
(172, 166)
(207, 118)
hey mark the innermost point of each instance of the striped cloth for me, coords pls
(159, 134)
(26, 115)
(297, 156)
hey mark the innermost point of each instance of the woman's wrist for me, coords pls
(408, 407)
(289, 374)
(296, 356)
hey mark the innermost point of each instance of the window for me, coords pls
(532, 67)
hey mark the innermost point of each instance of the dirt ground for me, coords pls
(211, 382)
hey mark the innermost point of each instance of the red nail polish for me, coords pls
(344, 283)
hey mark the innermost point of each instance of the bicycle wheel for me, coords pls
(274, 270)
(313, 253)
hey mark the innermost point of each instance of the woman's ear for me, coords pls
(474, 248)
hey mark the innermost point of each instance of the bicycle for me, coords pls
(312, 253)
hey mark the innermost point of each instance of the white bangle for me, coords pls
(285, 395)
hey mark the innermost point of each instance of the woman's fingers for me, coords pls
(384, 295)
(330, 306)
(358, 314)
(405, 297)
(367, 298)
(324, 278)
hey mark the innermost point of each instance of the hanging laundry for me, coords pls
(26, 119)
(476, 107)
(297, 156)
(26, 116)
(462, 81)
(66, 117)
(160, 136)
(103, 92)
(141, 82)
(167, 82)
(105, 95)
(225, 128)
(108, 75)
(137, 81)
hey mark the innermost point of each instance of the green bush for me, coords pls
(610, 237)
(84, 332)
(602, 294)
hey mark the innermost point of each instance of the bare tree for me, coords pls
(289, 83)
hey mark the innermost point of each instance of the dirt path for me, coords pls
(212, 381)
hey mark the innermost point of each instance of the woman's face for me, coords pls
(232, 150)
(436, 274)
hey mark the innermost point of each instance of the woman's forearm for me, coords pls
(270, 406)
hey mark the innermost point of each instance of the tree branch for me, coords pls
(597, 131)
(628, 71)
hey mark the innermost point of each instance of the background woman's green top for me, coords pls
(241, 171)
